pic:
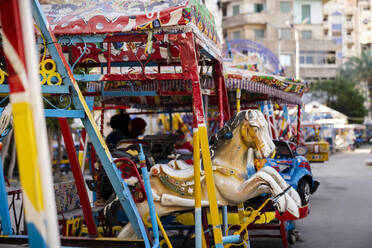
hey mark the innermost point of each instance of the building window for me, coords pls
(309, 59)
(349, 18)
(320, 60)
(317, 57)
(331, 59)
(306, 13)
(326, 32)
(336, 33)
(336, 18)
(235, 10)
(336, 26)
(285, 7)
(236, 35)
(285, 33)
(258, 7)
(306, 34)
(224, 10)
(337, 40)
(285, 60)
(259, 33)
(302, 59)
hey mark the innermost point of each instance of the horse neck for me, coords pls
(233, 153)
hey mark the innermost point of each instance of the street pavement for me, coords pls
(341, 209)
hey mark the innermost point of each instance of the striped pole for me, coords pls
(29, 122)
(198, 217)
(189, 63)
(121, 188)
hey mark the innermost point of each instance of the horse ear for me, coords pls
(246, 115)
(249, 115)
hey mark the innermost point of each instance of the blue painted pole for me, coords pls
(150, 200)
(225, 224)
(4, 210)
(251, 169)
(231, 239)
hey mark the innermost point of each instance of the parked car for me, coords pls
(290, 162)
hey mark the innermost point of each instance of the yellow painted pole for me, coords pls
(252, 217)
(167, 241)
(238, 93)
(241, 205)
(196, 157)
(207, 162)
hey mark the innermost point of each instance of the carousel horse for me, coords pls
(244, 136)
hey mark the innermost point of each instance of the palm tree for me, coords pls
(359, 71)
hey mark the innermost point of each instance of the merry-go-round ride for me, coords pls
(273, 95)
(153, 56)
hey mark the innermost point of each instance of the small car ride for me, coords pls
(290, 162)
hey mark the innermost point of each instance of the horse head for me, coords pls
(258, 131)
(248, 127)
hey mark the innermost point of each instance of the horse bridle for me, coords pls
(225, 132)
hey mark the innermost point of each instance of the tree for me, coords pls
(343, 96)
(358, 70)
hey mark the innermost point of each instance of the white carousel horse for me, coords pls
(242, 137)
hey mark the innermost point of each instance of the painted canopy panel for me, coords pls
(286, 89)
(114, 16)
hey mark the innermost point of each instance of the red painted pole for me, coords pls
(220, 102)
(283, 233)
(223, 102)
(102, 118)
(78, 176)
(298, 123)
(108, 57)
(218, 81)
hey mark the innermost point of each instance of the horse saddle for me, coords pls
(177, 176)
(175, 169)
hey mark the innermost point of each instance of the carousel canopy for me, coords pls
(114, 16)
(286, 90)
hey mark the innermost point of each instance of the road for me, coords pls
(341, 209)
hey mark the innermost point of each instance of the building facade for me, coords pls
(365, 24)
(341, 22)
(274, 24)
(349, 23)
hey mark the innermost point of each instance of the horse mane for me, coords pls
(219, 138)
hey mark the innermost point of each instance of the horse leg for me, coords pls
(283, 184)
(284, 203)
(262, 182)
(127, 232)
